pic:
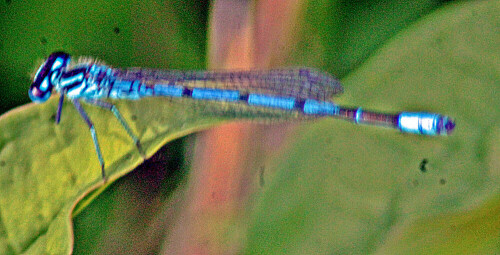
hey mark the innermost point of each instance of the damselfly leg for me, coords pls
(87, 120)
(122, 121)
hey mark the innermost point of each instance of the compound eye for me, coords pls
(38, 71)
(39, 93)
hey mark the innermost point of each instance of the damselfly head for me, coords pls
(47, 75)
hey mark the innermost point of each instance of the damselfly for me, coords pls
(303, 90)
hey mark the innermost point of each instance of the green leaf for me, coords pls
(350, 189)
(46, 168)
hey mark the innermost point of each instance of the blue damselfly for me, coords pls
(303, 90)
